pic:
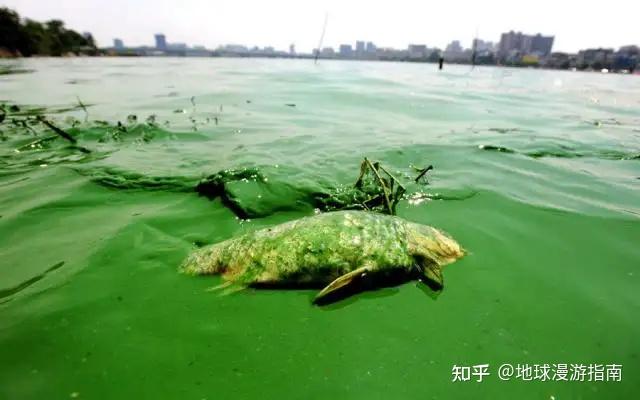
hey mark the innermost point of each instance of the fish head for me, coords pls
(431, 249)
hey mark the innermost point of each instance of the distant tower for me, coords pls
(346, 50)
(161, 41)
(360, 47)
(292, 49)
(371, 48)
(118, 44)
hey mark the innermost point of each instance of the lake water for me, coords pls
(538, 175)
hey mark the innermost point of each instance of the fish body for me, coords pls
(316, 251)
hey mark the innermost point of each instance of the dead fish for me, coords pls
(339, 251)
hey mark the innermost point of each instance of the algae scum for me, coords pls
(113, 171)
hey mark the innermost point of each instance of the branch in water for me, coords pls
(63, 134)
(57, 130)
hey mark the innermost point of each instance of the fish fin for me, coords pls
(226, 288)
(231, 290)
(432, 275)
(341, 282)
(221, 286)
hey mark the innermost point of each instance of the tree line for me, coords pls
(27, 37)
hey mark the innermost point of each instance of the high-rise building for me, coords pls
(454, 47)
(417, 51)
(327, 52)
(371, 48)
(360, 47)
(346, 50)
(176, 46)
(518, 44)
(541, 45)
(292, 49)
(236, 48)
(161, 41)
(118, 44)
(594, 58)
(455, 53)
(510, 42)
(480, 45)
(627, 58)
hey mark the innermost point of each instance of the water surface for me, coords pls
(545, 165)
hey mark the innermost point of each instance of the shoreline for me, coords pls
(310, 57)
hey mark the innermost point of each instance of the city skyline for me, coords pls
(284, 22)
(515, 48)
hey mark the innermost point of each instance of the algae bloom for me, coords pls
(340, 251)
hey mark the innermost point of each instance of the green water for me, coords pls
(545, 164)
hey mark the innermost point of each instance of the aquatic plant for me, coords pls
(250, 194)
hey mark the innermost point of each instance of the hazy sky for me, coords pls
(390, 23)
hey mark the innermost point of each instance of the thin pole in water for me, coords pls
(474, 49)
(324, 28)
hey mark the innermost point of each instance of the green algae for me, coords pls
(552, 276)
(249, 193)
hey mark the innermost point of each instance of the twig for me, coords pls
(423, 172)
(393, 178)
(26, 126)
(57, 130)
(385, 190)
(63, 134)
(363, 170)
(400, 190)
(36, 143)
(84, 108)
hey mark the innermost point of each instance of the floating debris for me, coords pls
(381, 186)
(504, 130)
(249, 193)
(84, 108)
(422, 173)
(490, 147)
(8, 70)
(345, 252)
(57, 130)
(418, 198)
